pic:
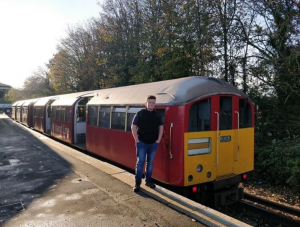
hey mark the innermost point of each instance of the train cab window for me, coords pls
(80, 113)
(225, 113)
(199, 119)
(130, 115)
(245, 119)
(118, 118)
(93, 115)
(104, 117)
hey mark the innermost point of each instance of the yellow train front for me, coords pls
(210, 138)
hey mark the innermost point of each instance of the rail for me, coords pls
(272, 210)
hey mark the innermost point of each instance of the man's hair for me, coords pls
(150, 97)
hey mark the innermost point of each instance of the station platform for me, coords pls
(45, 183)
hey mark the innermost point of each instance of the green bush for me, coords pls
(278, 163)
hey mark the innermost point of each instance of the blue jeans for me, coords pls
(144, 152)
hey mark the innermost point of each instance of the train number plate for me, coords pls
(225, 139)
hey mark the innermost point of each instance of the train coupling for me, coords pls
(225, 198)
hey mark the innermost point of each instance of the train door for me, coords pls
(48, 117)
(80, 122)
(31, 114)
(226, 141)
(161, 156)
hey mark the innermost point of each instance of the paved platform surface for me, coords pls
(45, 183)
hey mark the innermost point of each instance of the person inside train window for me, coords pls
(147, 130)
(80, 113)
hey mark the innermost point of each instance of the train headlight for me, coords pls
(199, 168)
(190, 178)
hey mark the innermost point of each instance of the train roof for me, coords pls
(20, 103)
(43, 101)
(15, 103)
(28, 102)
(169, 92)
(70, 99)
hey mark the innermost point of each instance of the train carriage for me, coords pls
(68, 118)
(208, 141)
(13, 110)
(18, 109)
(41, 114)
(27, 112)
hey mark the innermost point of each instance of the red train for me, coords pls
(208, 143)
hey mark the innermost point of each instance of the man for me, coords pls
(147, 130)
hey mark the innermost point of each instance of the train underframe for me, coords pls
(217, 193)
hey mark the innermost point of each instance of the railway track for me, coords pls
(281, 214)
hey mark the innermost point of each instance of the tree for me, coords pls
(37, 85)
(74, 67)
(276, 42)
(14, 95)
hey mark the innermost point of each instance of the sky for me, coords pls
(30, 31)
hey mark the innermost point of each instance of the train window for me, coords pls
(68, 114)
(62, 113)
(93, 115)
(49, 111)
(38, 112)
(83, 101)
(57, 113)
(118, 118)
(130, 115)
(200, 116)
(245, 114)
(53, 113)
(24, 110)
(81, 113)
(225, 113)
(104, 116)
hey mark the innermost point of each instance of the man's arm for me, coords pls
(134, 133)
(161, 131)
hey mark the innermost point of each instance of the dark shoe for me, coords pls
(150, 184)
(136, 188)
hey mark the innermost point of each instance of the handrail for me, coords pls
(238, 145)
(170, 144)
(218, 137)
